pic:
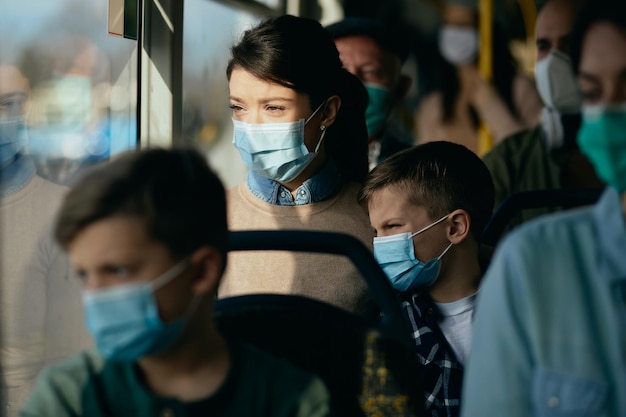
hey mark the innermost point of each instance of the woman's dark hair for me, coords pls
(504, 73)
(300, 54)
(610, 11)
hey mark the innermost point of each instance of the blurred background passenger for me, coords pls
(549, 324)
(40, 313)
(547, 156)
(462, 99)
(69, 120)
(299, 126)
(375, 53)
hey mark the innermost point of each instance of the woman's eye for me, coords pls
(274, 109)
(81, 275)
(120, 271)
(235, 108)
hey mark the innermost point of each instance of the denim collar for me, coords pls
(16, 176)
(611, 233)
(317, 188)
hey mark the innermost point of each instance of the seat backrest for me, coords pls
(367, 364)
(560, 199)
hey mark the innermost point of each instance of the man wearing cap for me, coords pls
(373, 53)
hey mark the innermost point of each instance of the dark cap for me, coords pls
(365, 26)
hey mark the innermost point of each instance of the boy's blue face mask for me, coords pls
(124, 320)
(275, 150)
(602, 139)
(12, 138)
(396, 256)
(376, 112)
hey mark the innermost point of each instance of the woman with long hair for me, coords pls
(299, 126)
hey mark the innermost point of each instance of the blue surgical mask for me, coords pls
(602, 139)
(124, 320)
(376, 112)
(12, 139)
(275, 150)
(396, 256)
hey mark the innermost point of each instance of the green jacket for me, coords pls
(522, 162)
(257, 385)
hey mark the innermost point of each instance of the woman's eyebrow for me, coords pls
(269, 99)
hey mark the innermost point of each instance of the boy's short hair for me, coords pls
(179, 198)
(439, 176)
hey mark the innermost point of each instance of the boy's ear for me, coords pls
(459, 226)
(208, 261)
(330, 110)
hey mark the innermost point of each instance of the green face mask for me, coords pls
(376, 112)
(602, 139)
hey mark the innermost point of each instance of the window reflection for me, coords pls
(206, 115)
(61, 110)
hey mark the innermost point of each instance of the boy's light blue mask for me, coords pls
(13, 138)
(275, 150)
(396, 256)
(376, 112)
(124, 320)
(602, 139)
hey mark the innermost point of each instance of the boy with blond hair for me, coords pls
(428, 206)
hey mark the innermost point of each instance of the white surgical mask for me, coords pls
(557, 84)
(458, 45)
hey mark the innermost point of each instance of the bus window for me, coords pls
(206, 51)
(66, 102)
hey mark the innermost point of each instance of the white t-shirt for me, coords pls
(456, 325)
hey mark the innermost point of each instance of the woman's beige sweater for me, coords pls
(330, 278)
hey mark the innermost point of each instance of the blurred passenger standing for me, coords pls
(547, 156)
(299, 126)
(147, 235)
(374, 53)
(40, 314)
(428, 206)
(462, 98)
(550, 328)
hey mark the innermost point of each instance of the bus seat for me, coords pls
(367, 365)
(563, 198)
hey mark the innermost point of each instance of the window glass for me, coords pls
(206, 115)
(67, 101)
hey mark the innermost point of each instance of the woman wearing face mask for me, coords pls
(551, 310)
(299, 126)
(463, 98)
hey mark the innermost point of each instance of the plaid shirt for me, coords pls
(440, 371)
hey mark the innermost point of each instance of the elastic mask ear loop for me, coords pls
(444, 252)
(323, 129)
(430, 225)
(315, 112)
(168, 276)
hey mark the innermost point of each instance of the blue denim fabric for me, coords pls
(550, 323)
(317, 188)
